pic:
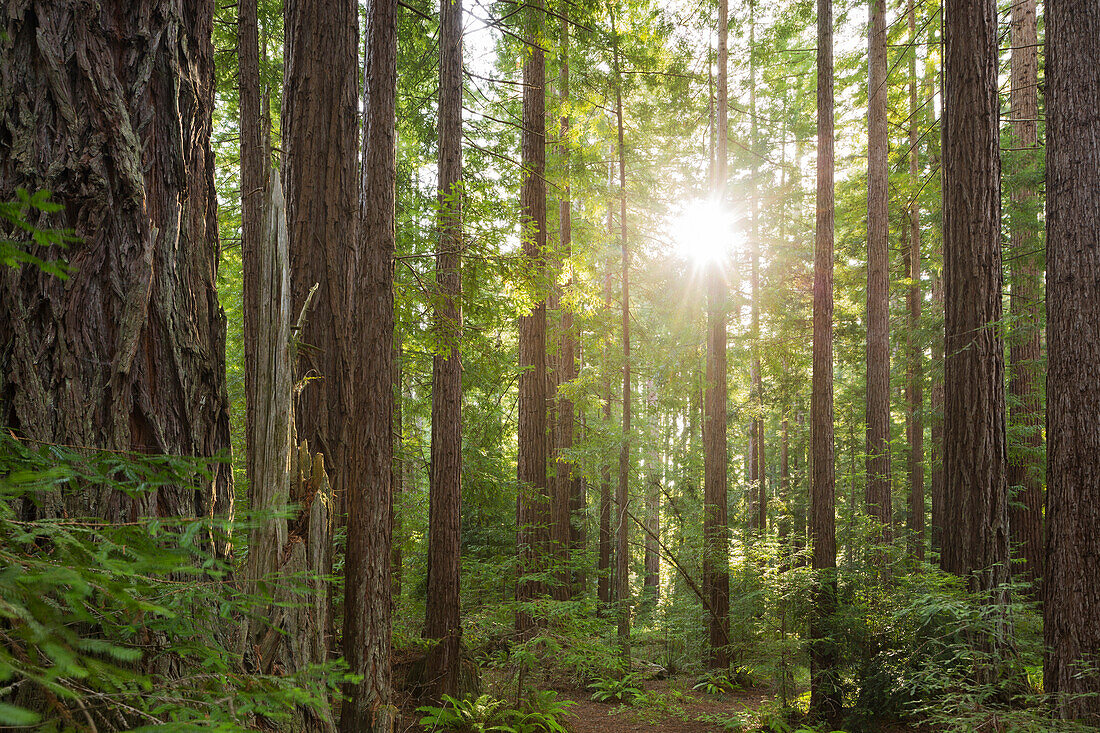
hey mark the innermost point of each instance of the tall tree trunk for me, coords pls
(568, 482)
(368, 322)
(603, 584)
(761, 485)
(321, 81)
(253, 177)
(878, 283)
(442, 619)
(128, 353)
(974, 428)
(622, 495)
(1025, 464)
(652, 582)
(914, 389)
(533, 505)
(825, 697)
(975, 498)
(936, 395)
(1071, 586)
(715, 470)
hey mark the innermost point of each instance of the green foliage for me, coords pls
(135, 621)
(721, 683)
(615, 689)
(541, 712)
(23, 239)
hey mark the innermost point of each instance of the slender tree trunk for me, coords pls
(914, 425)
(784, 490)
(253, 176)
(1071, 587)
(128, 353)
(975, 543)
(936, 395)
(369, 335)
(568, 483)
(603, 584)
(824, 688)
(400, 465)
(442, 617)
(1025, 465)
(878, 283)
(760, 519)
(622, 496)
(533, 505)
(652, 582)
(715, 470)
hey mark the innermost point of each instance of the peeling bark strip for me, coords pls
(109, 108)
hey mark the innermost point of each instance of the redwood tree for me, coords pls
(878, 281)
(825, 697)
(1071, 586)
(715, 521)
(533, 502)
(442, 619)
(369, 335)
(975, 542)
(127, 353)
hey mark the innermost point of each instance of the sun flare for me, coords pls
(704, 232)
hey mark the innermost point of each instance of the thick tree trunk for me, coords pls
(322, 212)
(878, 283)
(1071, 586)
(108, 107)
(533, 504)
(442, 618)
(715, 470)
(369, 335)
(825, 697)
(1025, 461)
(914, 389)
(975, 543)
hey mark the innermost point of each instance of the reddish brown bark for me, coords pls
(1071, 587)
(877, 496)
(622, 494)
(715, 476)
(369, 338)
(128, 353)
(975, 542)
(533, 504)
(442, 616)
(825, 699)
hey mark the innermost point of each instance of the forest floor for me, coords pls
(669, 705)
